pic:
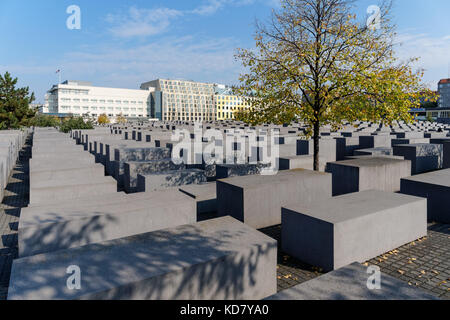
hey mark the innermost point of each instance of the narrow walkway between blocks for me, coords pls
(16, 197)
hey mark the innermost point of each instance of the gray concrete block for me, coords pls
(446, 150)
(215, 259)
(45, 230)
(168, 179)
(424, 157)
(133, 168)
(46, 195)
(232, 170)
(297, 162)
(335, 232)
(375, 141)
(51, 178)
(435, 186)
(374, 152)
(368, 173)
(204, 195)
(257, 200)
(350, 283)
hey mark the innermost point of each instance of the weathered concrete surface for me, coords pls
(168, 179)
(215, 259)
(133, 168)
(50, 230)
(257, 200)
(368, 173)
(332, 233)
(350, 283)
(424, 157)
(50, 194)
(435, 186)
(66, 176)
(204, 195)
(297, 162)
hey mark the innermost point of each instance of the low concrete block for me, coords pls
(232, 170)
(66, 176)
(368, 173)
(297, 162)
(214, 259)
(204, 195)
(424, 157)
(168, 179)
(335, 232)
(46, 195)
(350, 283)
(435, 186)
(133, 168)
(446, 150)
(257, 200)
(45, 230)
(374, 152)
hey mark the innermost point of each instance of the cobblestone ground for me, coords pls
(424, 263)
(16, 197)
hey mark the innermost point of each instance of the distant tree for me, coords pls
(15, 111)
(73, 123)
(44, 120)
(121, 119)
(315, 63)
(103, 119)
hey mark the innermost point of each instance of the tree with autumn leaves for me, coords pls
(315, 62)
(103, 119)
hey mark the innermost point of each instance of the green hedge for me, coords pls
(73, 123)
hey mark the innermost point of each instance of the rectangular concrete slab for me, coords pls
(335, 232)
(257, 200)
(368, 173)
(204, 195)
(51, 230)
(350, 283)
(435, 186)
(215, 259)
(169, 179)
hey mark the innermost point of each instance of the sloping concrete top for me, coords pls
(200, 191)
(350, 283)
(353, 205)
(258, 180)
(369, 161)
(115, 263)
(439, 177)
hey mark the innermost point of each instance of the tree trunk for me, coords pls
(316, 136)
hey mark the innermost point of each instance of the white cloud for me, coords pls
(142, 22)
(209, 8)
(187, 57)
(432, 51)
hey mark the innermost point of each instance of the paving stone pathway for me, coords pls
(424, 263)
(16, 197)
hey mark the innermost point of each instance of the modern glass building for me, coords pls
(444, 93)
(181, 100)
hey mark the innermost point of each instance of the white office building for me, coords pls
(81, 98)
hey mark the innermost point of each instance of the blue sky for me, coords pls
(123, 43)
